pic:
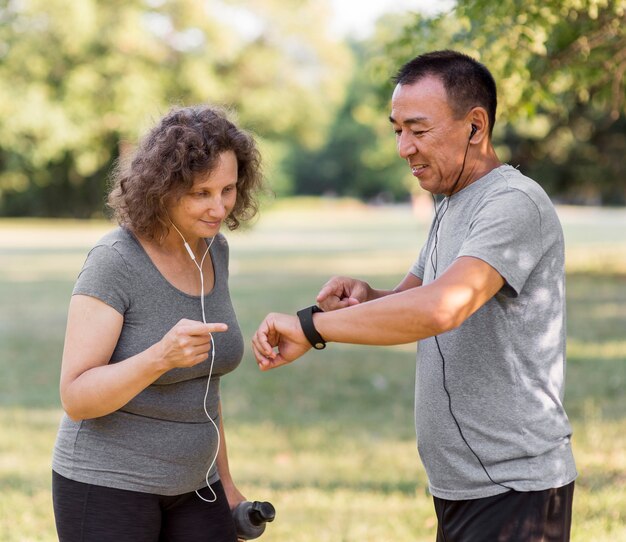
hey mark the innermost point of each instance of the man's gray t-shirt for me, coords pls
(504, 366)
(161, 441)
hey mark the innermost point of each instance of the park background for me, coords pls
(330, 439)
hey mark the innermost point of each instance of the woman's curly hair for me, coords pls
(187, 142)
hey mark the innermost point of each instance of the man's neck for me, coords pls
(477, 168)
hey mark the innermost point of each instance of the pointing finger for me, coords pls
(200, 328)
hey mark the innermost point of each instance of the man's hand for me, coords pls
(341, 292)
(282, 331)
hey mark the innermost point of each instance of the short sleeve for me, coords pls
(105, 276)
(221, 252)
(506, 233)
(420, 264)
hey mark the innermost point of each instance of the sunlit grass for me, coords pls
(330, 439)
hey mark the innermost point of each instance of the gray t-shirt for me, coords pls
(504, 366)
(161, 441)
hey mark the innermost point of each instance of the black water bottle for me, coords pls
(251, 517)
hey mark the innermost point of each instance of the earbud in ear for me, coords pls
(474, 129)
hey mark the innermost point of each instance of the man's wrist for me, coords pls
(305, 316)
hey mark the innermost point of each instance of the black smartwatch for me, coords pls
(306, 321)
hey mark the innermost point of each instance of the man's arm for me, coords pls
(402, 317)
(415, 313)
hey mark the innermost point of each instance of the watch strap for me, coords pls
(306, 321)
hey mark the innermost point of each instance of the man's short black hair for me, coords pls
(468, 83)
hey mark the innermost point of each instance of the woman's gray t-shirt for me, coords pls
(161, 441)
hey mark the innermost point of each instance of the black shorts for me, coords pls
(91, 513)
(534, 516)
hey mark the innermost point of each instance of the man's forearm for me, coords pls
(414, 313)
(389, 318)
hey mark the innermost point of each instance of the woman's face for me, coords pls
(201, 211)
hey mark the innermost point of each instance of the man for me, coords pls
(485, 299)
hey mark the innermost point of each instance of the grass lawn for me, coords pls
(330, 439)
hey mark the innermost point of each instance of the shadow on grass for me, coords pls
(598, 478)
(27, 485)
(407, 487)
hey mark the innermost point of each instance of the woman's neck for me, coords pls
(175, 241)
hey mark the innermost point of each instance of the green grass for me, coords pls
(329, 440)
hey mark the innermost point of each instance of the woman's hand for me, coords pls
(187, 343)
(233, 495)
(91, 386)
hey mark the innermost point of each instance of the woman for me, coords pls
(141, 365)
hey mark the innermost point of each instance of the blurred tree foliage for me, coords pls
(359, 156)
(79, 81)
(560, 66)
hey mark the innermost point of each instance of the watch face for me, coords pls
(319, 346)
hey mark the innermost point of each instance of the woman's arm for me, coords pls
(90, 386)
(233, 495)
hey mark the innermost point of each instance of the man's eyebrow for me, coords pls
(412, 120)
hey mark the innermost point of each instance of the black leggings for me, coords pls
(91, 513)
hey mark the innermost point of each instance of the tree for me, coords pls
(80, 80)
(359, 158)
(561, 71)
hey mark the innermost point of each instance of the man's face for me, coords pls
(428, 135)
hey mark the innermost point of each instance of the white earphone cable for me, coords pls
(208, 382)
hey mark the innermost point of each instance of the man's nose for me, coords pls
(406, 145)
